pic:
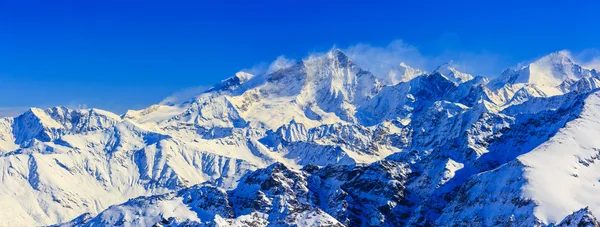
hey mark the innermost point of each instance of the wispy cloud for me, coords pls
(594, 64)
(280, 63)
(184, 95)
(75, 105)
(266, 68)
(380, 59)
(589, 58)
(261, 68)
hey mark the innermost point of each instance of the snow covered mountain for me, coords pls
(550, 75)
(402, 73)
(550, 70)
(320, 143)
(452, 73)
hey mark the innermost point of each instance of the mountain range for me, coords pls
(320, 143)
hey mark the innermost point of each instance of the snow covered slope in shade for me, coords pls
(274, 196)
(399, 101)
(327, 144)
(469, 142)
(583, 85)
(580, 218)
(529, 192)
(363, 195)
(492, 199)
(371, 195)
(569, 157)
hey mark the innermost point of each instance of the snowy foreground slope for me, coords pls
(320, 143)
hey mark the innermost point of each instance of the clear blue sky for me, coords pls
(117, 55)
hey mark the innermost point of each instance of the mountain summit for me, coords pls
(452, 73)
(402, 73)
(550, 71)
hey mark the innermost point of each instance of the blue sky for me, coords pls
(119, 55)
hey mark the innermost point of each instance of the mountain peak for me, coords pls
(448, 71)
(553, 69)
(555, 58)
(582, 217)
(445, 65)
(337, 54)
(232, 82)
(561, 54)
(336, 50)
(42, 116)
(244, 76)
(550, 70)
(402, 73)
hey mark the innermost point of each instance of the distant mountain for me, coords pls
(402, 73)
(549, 71)
(452, 73)
(320, 143)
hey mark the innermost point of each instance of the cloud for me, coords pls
(593, 64)
(75, 105)
(280, 63)
(257, 69)
(380, 59)
(188, 94)
(184, 95)
(588, 58)
(266, 68)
